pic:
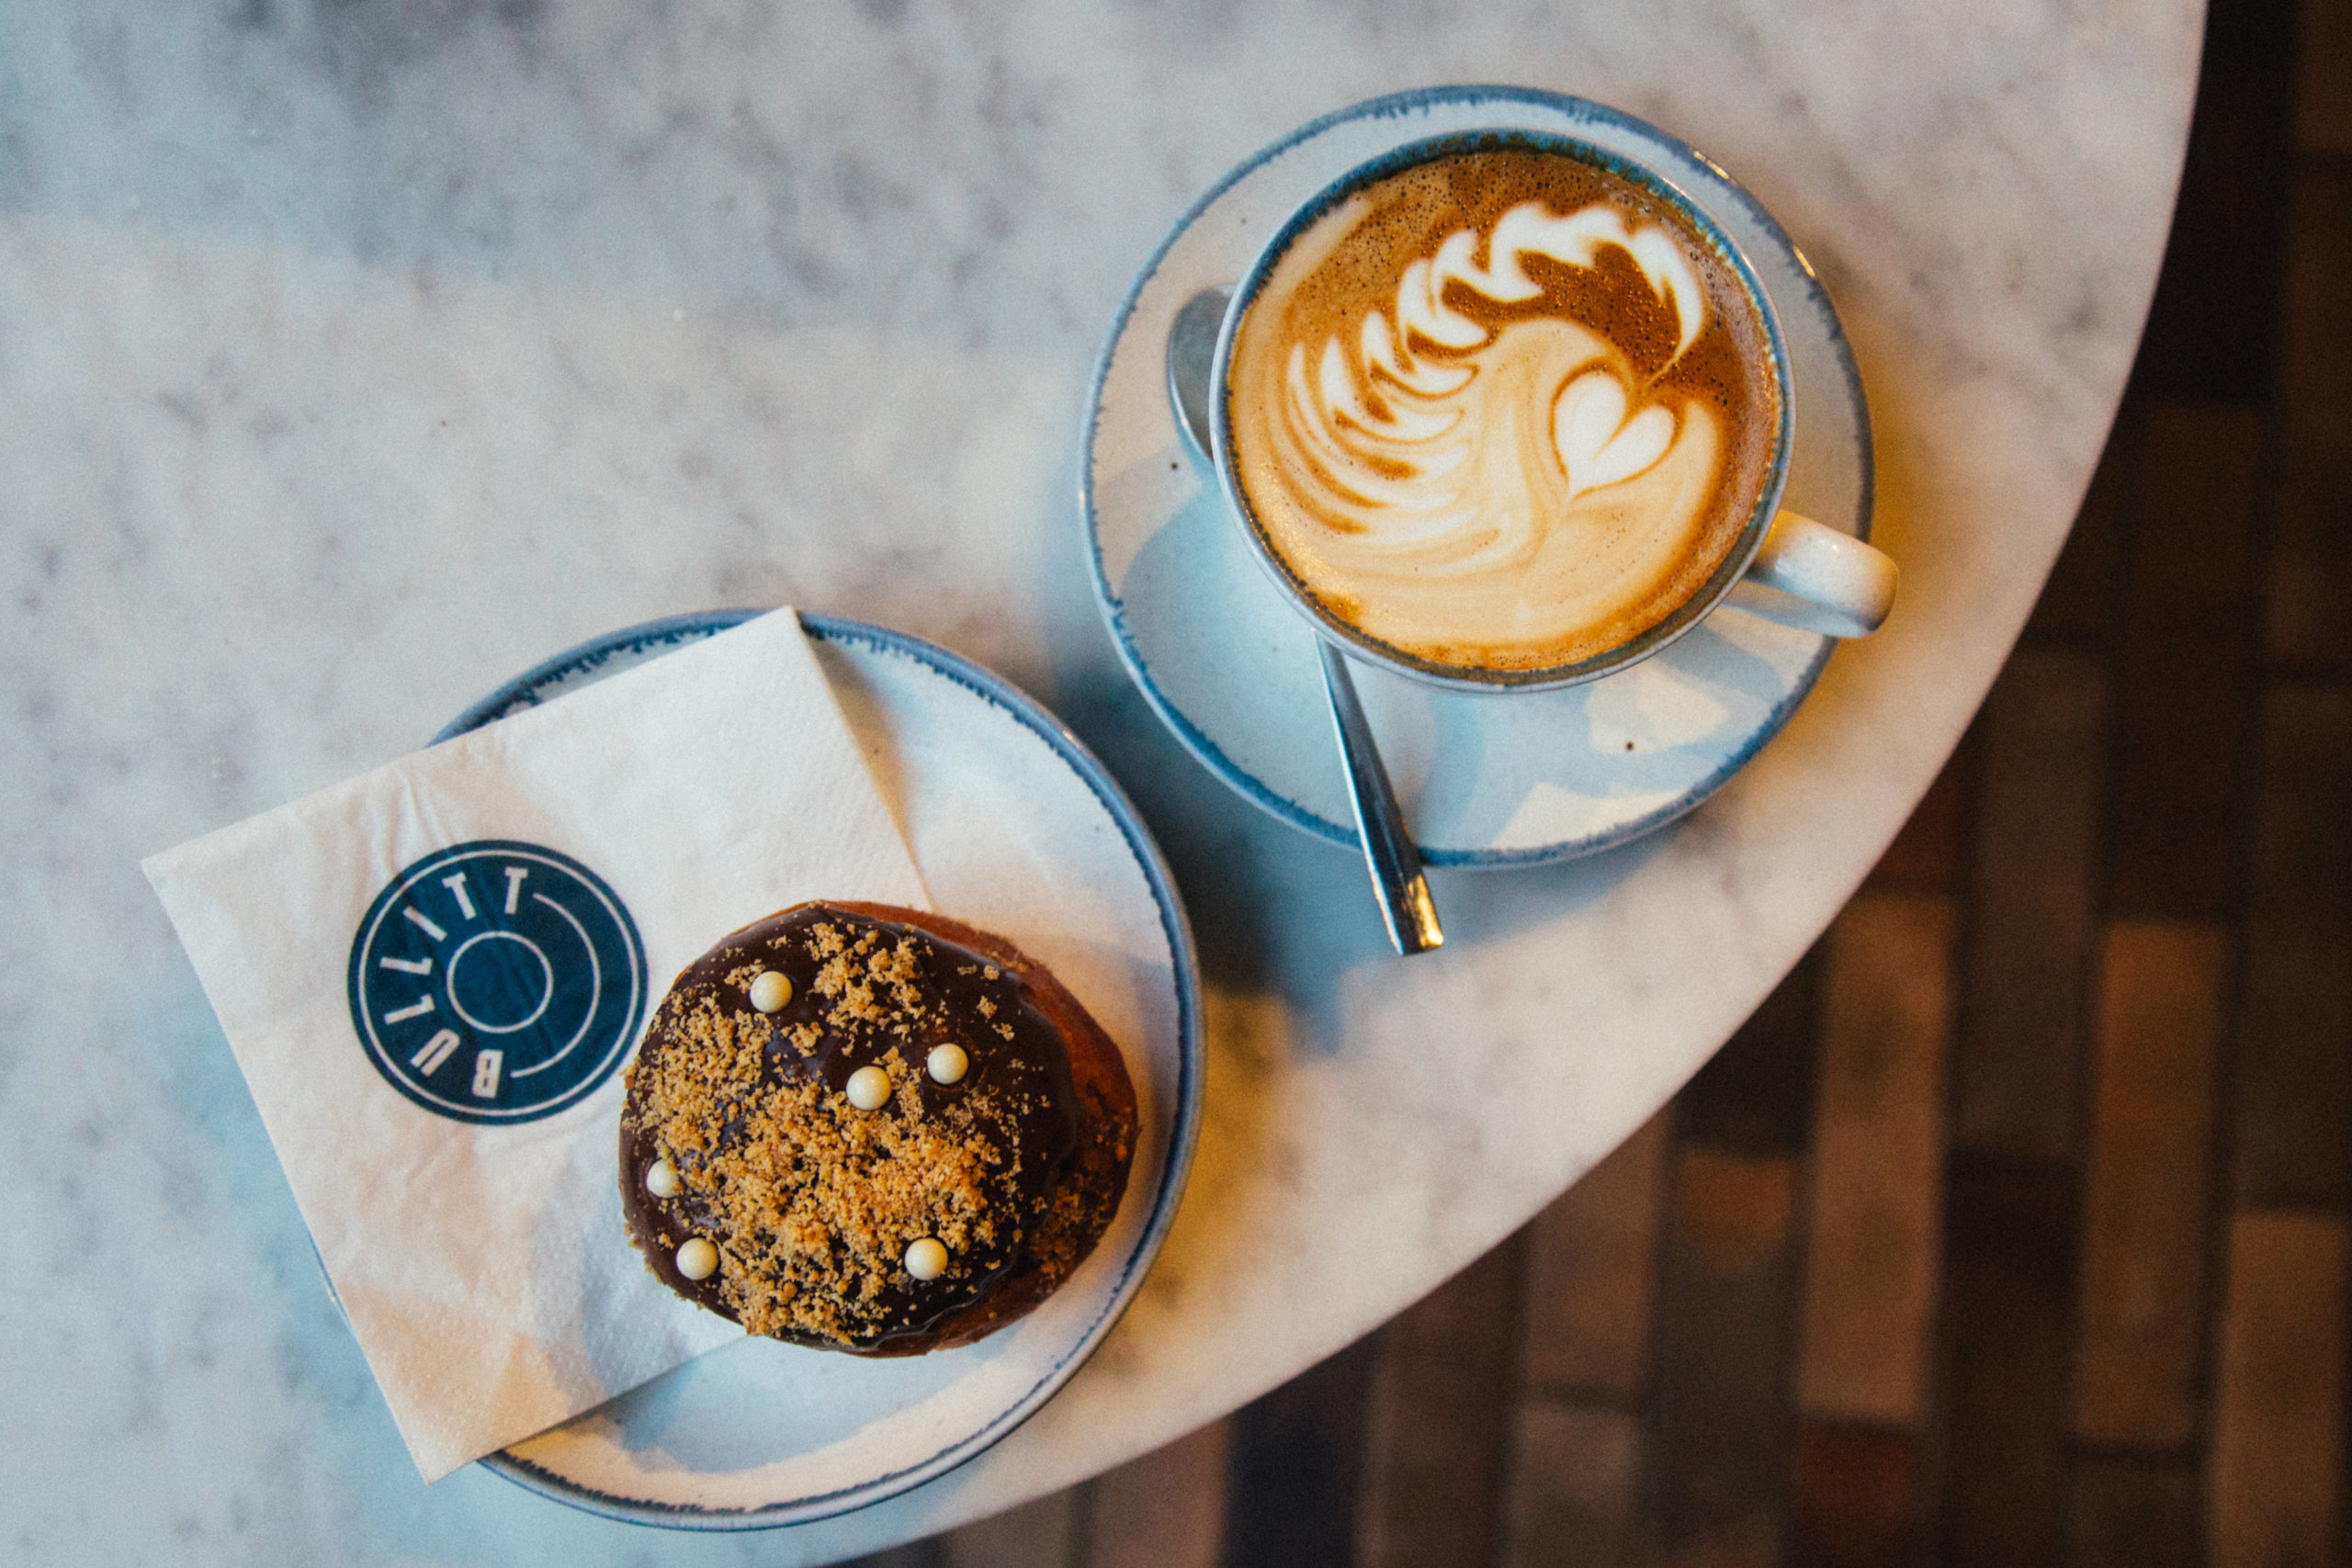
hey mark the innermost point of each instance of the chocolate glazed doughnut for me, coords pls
(871, 1129)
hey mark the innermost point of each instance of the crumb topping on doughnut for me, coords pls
(813, 1203)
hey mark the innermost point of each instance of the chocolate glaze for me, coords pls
(1060, 1142)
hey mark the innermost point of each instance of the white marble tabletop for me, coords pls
(355, 356)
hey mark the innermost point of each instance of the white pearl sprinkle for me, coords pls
(947, 1064)
(697, 1259)
(661, 1179)
(771, 990)
(926, 1259)
(869, 1088)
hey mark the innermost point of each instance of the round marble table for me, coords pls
(355, 357)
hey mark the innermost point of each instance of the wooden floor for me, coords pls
(2013, 1228)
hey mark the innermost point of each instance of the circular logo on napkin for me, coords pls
(496, 981)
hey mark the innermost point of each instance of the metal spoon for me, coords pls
(1397, 876)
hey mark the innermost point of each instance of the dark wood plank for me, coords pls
(1855, 1496)
(2041, 791)
(2323, 84)
(2077, 605)
(2309, 612)
(2276, 1469)
(1718, 1470)
(2214, 328)
(1296, 1459)
(2148, 1199)
(1575, 1467)
(1439, 1423)
(2008, 1298)
(2183, 706)
(1754, 1096)
(1874, 1244)
(2293, 1066)
(1592, 1274)
(2129, 1513)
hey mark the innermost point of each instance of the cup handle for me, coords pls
(1848, 583)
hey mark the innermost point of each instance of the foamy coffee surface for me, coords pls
(1501, 411)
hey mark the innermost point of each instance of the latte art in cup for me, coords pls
(1502, 410)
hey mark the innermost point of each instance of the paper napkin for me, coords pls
(432, 975)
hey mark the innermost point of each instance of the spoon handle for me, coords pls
(1397, 876)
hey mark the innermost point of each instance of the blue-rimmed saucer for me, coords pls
(1486, 781)
(1018, 829)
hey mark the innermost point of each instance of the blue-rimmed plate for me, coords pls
(1017, 830)
(1501, 780)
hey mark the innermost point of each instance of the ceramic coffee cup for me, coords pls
(1503, 410)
